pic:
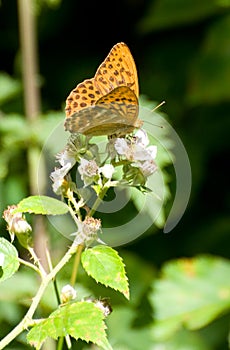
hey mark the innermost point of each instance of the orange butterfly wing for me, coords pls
(115, 86)
(114, 113)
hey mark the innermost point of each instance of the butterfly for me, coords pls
(107, 104)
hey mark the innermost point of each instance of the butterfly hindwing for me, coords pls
(117, 111)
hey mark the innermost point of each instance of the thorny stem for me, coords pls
(32, 266)
(37, 261)
(74, 202)
(91, 212)
(48, 257)
(27, 320)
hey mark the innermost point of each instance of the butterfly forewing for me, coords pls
(118, 69)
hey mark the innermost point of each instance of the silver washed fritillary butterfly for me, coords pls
(108, 103)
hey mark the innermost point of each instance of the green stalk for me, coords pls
(98, 200)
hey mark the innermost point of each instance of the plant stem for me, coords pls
(98, 200)
(76, 264)
(32, 266)
(36, 260)
(32, 105)
(27, 319)
(60, 343)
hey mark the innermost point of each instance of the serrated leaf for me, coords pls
(8, 259)
(192, 292)
(81, 320)
(105, 265)
(42, 205)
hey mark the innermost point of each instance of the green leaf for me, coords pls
(42, 205)
(9, 88)
(192, 292)
(8, 259)
(105, 265)
(81, 320)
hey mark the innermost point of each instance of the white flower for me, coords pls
(107, 171)
(70, 154)
(66, 157)
(57, 176)
(147, 167)
(122, 147)
(152, 150)
(142, 137)
(88, 169)
(137, 150)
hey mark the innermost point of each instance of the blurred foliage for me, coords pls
(182, 51)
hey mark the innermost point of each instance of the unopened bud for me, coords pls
(68, 293)
(17, 225)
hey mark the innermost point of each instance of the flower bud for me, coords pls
(68, 293)
(107, 171)
(17, 225)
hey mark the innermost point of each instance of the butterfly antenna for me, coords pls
(162, 103)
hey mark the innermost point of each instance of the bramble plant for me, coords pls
(108, 197)
(80, 160)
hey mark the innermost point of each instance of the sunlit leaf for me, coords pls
(42, 205)
(80, 320)
(105, 265)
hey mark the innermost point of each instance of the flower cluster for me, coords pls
(133, 153)
(82, 160)
(138, 154)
